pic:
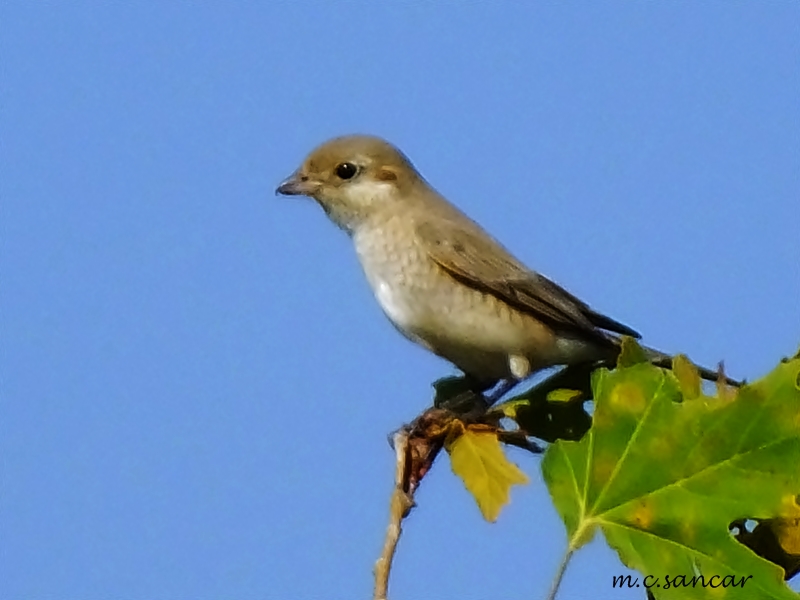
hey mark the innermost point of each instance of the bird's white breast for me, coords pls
(394, 304)
(386, 265)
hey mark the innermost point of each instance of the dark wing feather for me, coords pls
(476, 260)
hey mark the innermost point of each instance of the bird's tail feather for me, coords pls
(664, 360)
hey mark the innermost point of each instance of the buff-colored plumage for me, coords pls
(442, 280)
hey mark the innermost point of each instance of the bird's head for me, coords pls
(353, 178)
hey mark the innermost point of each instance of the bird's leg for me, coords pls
(520, 369)
(505, 386)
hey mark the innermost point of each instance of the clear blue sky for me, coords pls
(196, 384)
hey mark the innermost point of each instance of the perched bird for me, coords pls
(442, 280)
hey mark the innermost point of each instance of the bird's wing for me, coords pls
(476, 260)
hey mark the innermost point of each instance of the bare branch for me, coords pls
(399, 506)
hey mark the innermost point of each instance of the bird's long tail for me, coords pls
(664, 360)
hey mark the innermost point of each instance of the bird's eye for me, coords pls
(346, 170)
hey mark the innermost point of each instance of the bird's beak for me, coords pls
(297, 185)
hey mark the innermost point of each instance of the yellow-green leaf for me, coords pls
(687, 376)
(477, 457)
(663, 476)
(563, 395)
(631, 353)
(787, 532)
(509, 408)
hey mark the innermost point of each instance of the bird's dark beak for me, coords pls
(297, 185)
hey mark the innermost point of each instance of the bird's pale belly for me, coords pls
(476, 331)
(473, 330)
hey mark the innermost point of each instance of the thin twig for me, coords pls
(520, 440)
(399, 507)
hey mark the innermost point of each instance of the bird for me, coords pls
(441, 279)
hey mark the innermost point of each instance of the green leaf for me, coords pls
(664, 476)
